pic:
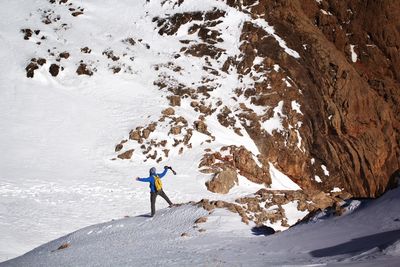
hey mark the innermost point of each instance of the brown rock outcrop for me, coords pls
(175, 100)
(347, 124)
(54, 69)
(222, 181)
(327, 78)
(135, 135)
(168, 112)
(201, 220)
(83, 69)
(201, 126)
(126, 155)
(238, 158)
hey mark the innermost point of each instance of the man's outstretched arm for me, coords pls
(143, 179)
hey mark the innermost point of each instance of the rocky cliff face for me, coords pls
(310, 88)
(348, 73)
(325, 77)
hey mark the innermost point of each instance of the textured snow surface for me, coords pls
(58, 133)
(58, 136)
(367, 236)
(353, 53)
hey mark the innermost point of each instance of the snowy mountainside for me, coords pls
(60, 128)
(94, 94)
(366, 236)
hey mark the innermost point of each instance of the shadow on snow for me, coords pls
(361, 244)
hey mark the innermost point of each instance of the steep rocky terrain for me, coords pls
(272, 110)
(351, 72)
(334, 92)
(306, 90)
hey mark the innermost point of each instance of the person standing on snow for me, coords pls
(156, 187)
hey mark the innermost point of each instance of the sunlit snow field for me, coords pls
(58, 134)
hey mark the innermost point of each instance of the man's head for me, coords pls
(152, 170)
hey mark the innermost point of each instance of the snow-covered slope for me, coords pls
(100, 73)
(58, 133)
(366, 236)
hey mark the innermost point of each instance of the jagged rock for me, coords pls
(188, 136)
(153, 156)
(168, 112)
(175, 100)
(204, 109)
(245, 162)
(134, 135)
(30, 69)
(175, 130)
(225, 117)
(86, 50)
(180, 120)
(110, 54)
(200, 126)
(201, 50)
(321, 200)
(41, 61)
(166, 152)
(163, 143)
(201, 220)
(54, 69)
(152, 127)
(27, 33)
(118, 147)
(126, 155)
(170, 25)
(130, 41)
(64, 246)
(64, 55)
(84, 70)
(116, 69)
(146, 133)
(205, 204)
(76, 13)
(223, 181)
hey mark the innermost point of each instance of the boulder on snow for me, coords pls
(134, 135)
(223, 181)
(30, 69)
(201, 127)
(34, 65)
(175, 100)
(64, 55)
(86, 50)
(83, 69)
(118, 147)
(54, 69)
(64, 246)
(126, 155)
(205, 204)
(76, 13)
(175, 130)
(168, 112)
(184, 235)
(27, 33)
(201, 220)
